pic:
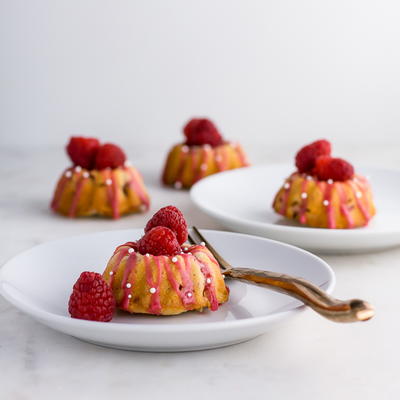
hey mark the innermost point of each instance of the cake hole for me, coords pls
(125, 189)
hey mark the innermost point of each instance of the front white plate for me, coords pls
(39, 282)
(242, 201)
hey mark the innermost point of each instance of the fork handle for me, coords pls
(333, 309)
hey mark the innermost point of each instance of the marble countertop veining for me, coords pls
(307, 358)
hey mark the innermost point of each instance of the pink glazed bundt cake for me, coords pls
(203, 153)
(100, 183)
(325, 192)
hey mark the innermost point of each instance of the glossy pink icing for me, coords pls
(343, 206)
(128, 278)
(77, 195)
(155, 305)
(303, 203)
(136, 186)
(112, 191)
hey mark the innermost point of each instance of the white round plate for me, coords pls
(241, 200)
(39, 282)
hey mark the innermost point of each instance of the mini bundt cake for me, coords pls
(161, 275)
(325, 192)
(165, 285)
(204, 153)
(101, 182)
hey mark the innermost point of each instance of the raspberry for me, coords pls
(199, 131)
(172, 218)
(336, 169)
(110, 156)
(305, 158)
(159, 241)
(91, 298)
(82, 151)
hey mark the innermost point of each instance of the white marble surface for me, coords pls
(309, 358)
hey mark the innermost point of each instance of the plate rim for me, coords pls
(43, 315)
(281, 228)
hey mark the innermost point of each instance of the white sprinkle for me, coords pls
(128, 285)
(174, 259)
(129, 296)
(153, 290)
(190, 253)
(147, 255)
(330, 181)
(189, 294)
(286, 185)
(202, 244)
(325, 202)
(304, 195)
(130, 251)
(208, 280)
(203, 167)
(185, 249)
(359, 195)
(178, 185)
(185, 149)
(86, 174)
(309, 178)
(218, 158)
(223, 276)
(127, 163)
(78, 168)
(182, 252)
(111, 273)
(108, 182)
(206, 147)
(68, 174)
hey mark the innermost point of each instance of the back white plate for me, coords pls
(241, 200)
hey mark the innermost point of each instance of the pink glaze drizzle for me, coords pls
(204, 161)
(220, 153)
(209, 288)
(187, 284)
(77, 195)
(356, 188)
(242, 156)
(136, 186)
(343, 206)
(60, 190)
(127, 278)
(304, 202)
(112, 192)
(118, 259)
(155, 305)
(327, 190)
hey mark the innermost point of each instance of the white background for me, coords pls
(273, 74)
(268, 72)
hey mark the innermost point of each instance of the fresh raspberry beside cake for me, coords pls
(325, 192)
(100, 183)
(203, 153)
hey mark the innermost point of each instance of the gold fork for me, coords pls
(333, 309)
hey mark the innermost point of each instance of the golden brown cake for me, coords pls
(202, 154)
(108, 192)
(165, 285)
(325, 192)
(326, 204)
(186, 165)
